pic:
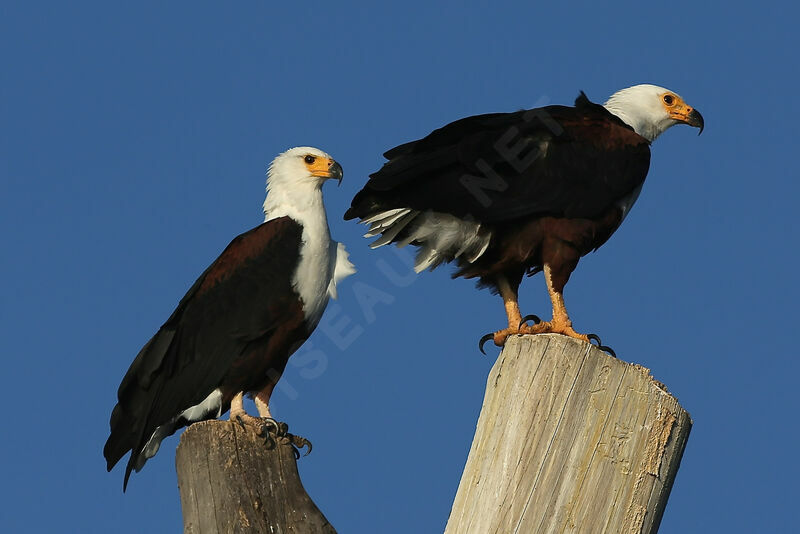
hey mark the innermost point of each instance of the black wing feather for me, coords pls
(557, 160)
(236, 300)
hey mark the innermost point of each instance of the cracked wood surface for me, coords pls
(569, 440)
(231, 481)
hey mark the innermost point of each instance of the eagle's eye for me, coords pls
(669, 100)
(310, 159)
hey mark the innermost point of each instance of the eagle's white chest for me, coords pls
(314, 271)
(322, 262)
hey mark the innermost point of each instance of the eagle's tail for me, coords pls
(131, 425)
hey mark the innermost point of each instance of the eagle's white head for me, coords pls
(295, 178)
(650, 110)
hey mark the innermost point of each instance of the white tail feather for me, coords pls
(441, 237)
(391, 232)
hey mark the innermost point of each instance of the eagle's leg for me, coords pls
(561, 323)
(263, 424)
(238, 412)
(239, 415)
(268, 423)
(262, 404)
(511, 303)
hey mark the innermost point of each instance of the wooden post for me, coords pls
(231, 480)
(569, 440)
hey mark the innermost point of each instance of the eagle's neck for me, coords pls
(640, 123)
(315, 269)
(286, 198)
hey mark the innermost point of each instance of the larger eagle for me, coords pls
(234, 330)
(509, 194)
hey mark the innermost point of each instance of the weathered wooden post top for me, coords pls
(569, 439)
(232, 479)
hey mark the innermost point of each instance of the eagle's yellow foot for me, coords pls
(282, 436)
(298, 443)
(565, 329)
(243, 418)
(543, 327)
(262, 425)
(501, 336)
(274, 432)
(498, 337)
(557, 327)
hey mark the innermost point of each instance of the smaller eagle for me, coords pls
(509, 194)
(234, 330)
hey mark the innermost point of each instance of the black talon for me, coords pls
(240, 420)
(534, 318)
(599, 344)
(299, 443)
(483, 341)
(269, 441)
(594, 337)
(264, 431)
(283, 429)
(266, 423)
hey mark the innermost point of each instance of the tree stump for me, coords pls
(231, 480)
(569, 440)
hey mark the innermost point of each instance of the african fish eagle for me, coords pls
(509, 194)
(234, 330)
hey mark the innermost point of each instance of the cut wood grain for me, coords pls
(231, 481)
(569, 440)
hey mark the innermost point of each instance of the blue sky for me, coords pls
(134, 146)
